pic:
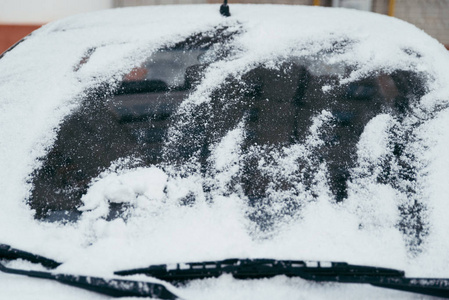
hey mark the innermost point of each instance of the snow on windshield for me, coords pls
(232, 179)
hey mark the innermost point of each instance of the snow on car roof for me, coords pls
(41, 83)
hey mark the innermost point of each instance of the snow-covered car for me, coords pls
(144, 147)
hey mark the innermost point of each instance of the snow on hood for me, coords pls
(40, 85)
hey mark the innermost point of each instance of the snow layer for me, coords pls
(41, 82)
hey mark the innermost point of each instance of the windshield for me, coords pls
(275, 135)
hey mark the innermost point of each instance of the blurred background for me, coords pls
(20, 17)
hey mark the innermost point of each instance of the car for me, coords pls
(279, 141)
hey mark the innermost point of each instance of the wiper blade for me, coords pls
(262, 268)
(309, 270)
(111, 287)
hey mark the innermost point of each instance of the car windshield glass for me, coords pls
(272, 133)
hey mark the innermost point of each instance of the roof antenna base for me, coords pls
(224, 9)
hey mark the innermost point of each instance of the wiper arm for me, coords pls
(110, 287)
(315, 271)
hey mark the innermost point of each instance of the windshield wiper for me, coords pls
(6, 252)
(309, 270)
(110, 287)
(238, 268)
(262, 268)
